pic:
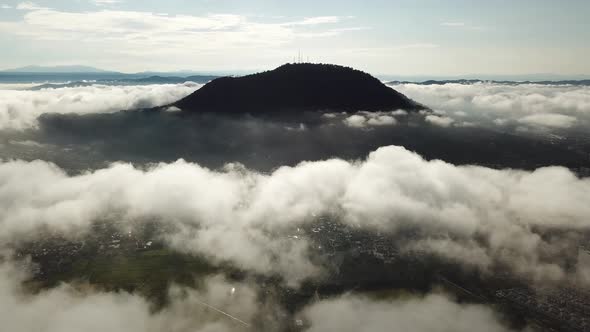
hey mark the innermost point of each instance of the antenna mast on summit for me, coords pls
(300, 58)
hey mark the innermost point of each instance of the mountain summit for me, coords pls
(301, 86)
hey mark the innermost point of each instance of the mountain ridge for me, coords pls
(300, 86)
(477, 81)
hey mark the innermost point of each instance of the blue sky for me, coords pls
(405, 37)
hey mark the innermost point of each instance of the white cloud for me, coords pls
(68, 309)
(246, 217)
(382, 120)
(442, 121)
(5, 6)
(130, 31)
(500, 122)
(498, 104)
(549, 120)
(20, 109)
(27, 5)
(399, 113)
(173, 109)
(356, 121)
(364, 119)
(330, 115)
(431, 313)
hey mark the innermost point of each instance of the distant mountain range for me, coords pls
(475, 81)
(56, 69)
(301, 86)
(485, 77)
(67, 76)
(80, 72)
(128, 81)
(75, 76)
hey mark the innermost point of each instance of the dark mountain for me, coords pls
(301, 86)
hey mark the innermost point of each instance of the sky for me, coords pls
(396, 37)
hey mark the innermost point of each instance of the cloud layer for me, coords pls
(549, 106)
(208, 32)
(369, 119)
(19, 109)
(431, 313)
(68, 309)
(549, 120)
(219, 305)
(123, 36)
(247, 218)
